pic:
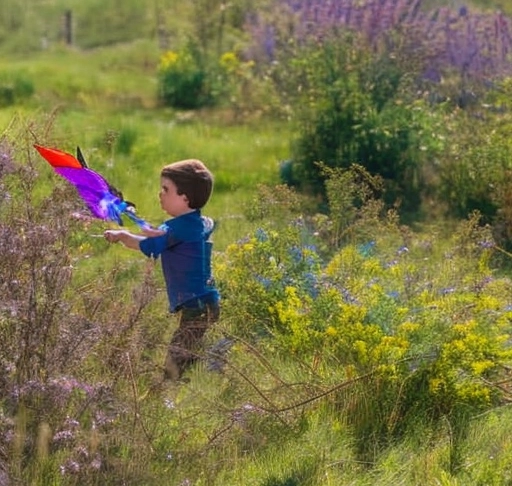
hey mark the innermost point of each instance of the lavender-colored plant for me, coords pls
(51, 331)
(6, 167)
(474, 44)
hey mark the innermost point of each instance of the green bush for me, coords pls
(355, 107)
(474, 172)
(15, 87)
(420, 342)
(183, 79)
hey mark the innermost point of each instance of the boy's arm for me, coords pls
(152, 232)
(128, 239)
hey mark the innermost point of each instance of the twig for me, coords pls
(321, 395)
(137, 416)
(505, 252)
(331, 390)
(261, 358)
(499, 387)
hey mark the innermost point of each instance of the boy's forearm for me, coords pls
(130, 240)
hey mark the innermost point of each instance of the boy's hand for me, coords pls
(113, 236)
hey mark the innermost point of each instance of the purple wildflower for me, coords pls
(70, 467)
(7, 165)
(448, 290)
(63, 437)
(402, 250)
(347, 296)
(474, 43)
(486, 244)
(96, 463)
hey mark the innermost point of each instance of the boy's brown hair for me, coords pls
(193, 179)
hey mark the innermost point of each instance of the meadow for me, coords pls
(362, 340)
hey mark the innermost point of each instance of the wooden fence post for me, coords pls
(68, 27)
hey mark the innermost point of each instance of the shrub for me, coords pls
(15, 87)
(184, 80)
(422, 342)
(355, 108)
(473, 172)
(59, 402)
(455, 41)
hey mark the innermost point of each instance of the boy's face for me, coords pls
(172, 203)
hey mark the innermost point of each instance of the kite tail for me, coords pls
(138, 221)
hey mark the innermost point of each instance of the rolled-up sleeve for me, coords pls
(153, 246)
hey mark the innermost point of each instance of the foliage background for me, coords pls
(352, 349)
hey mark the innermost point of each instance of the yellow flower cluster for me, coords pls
(289, 311)
(229, 61)
(168, 59)
(232, 64)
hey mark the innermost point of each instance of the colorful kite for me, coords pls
(103, 200)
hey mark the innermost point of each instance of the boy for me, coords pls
(183, 243)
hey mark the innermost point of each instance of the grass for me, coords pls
(99, 99)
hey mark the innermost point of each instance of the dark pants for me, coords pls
(185, 347)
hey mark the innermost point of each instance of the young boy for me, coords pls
(184, 246)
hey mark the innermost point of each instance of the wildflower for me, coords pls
(402, 250)
(486, 244)
(101, 419)
(167, 60)
(296, 253)
(70, 467)
(63, 436)
(229, 61)
(265, 282)
(6, 160)
(310, 254)
(82, 452)
(261, 235)
(72, 423)
(347, 296)
(331, 331)
(311, 284)
(96, 463)
(448, 290)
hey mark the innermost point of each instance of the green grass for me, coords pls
(97, 99)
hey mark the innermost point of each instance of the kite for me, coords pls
(103, 200)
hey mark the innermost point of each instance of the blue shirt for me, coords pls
(185, 250)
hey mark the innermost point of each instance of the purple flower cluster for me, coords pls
(83, 462)
(57, 390)
(7, 166)
(474, 44)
